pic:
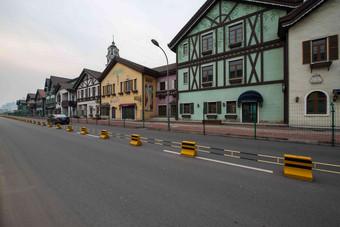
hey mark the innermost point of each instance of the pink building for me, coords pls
(161, 92)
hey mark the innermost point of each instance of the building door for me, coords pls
(162, 111)
(128, 112)
(173, 110)
(249, 112)
(113, 112)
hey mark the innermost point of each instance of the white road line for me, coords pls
(92, 136)
(237, 165)
(226, 163)
(171, 152)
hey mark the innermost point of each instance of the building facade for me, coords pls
(31, 107)
(22, 107)
(314, 66)
(161, 91)
(128, 91)
(231, 62)
(40, 99)
(50, 85)
(66, 101)
(87, 88)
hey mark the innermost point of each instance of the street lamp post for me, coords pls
(167, 78)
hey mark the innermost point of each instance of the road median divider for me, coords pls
(69, 128)
(84, 131)
(135, 140)
(58, 126)
(298, 167)
(188, 149)
(104, 134)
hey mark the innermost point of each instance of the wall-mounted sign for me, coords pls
(117, 72)
(137, 98)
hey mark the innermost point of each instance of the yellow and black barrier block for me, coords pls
(34, 122)
(188, 149)
(43, 124)
(104, 135)
(84, 131)
(69, 128)
(50, 125)
(135, 140)
(298, 167)
(31, 121)
(38, 123)
(58, 126)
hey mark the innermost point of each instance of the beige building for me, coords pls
(128, 90)
(312, 33)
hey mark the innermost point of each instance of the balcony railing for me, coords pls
(67, 103)
(162, 94)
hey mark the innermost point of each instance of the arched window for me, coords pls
(317, 103)
(113, 112)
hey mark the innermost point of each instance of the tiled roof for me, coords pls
(296, 15)
(284, 4)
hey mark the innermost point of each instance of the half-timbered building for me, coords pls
(31, 107)
(87, 88)
(231, 64)
(66, 102)
(312, 33)
(40, 99)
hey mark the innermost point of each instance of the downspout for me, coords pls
(286, 80)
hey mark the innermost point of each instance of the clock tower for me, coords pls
(112, 51)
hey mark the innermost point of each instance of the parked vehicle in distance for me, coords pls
(58, 119)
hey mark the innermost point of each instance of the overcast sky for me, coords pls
(39, 38)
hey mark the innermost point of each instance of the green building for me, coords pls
(232, 64)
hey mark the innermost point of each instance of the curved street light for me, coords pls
(167, 78)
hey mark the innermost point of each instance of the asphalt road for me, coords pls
(51, 177)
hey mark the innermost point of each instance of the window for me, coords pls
(162, 86)
(231, 107)
(316, 103)
(185, 48)
(121, 87)
(135, 84)
(207, 74)
(185, 78)
(319, 48)
(128, 86)
(162, 110)
(235, 69)
(113, 89)
(94, 91)
(82, 94)
(207, 42)
(186, 108)
(212, 108)
(320, 51)
(108, 89)
(235, 34)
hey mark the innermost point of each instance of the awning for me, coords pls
(127, 104)
(336, 91)
(105, 104)
(250, 96)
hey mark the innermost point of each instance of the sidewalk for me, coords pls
(274, 132)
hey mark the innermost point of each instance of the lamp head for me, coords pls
(154, 42)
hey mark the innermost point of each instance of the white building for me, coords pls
(66, 102)
(312, 33)
(87, 88)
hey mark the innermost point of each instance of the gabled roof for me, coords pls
(296, 15)
(30, 96)
(41, 93)
(54, 80)
(162, 69)
(89, 72)
(209, 4)
(130, 64)
(21, 102)
(47, 83)
(67, 86)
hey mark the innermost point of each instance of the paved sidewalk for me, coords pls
(280, 132)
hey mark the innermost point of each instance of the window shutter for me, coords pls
(181, 108)
(192, 108)
(205, 107)
(218, 107)
(306, 52)
(173, 84)
(158, 86)
(333, 47)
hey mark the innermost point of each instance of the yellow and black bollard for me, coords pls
(69, 128)
(58, 126)
(135, 140)
(189, 149)
(84, 131)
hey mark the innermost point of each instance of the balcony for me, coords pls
(162, 94)
(67, 103)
